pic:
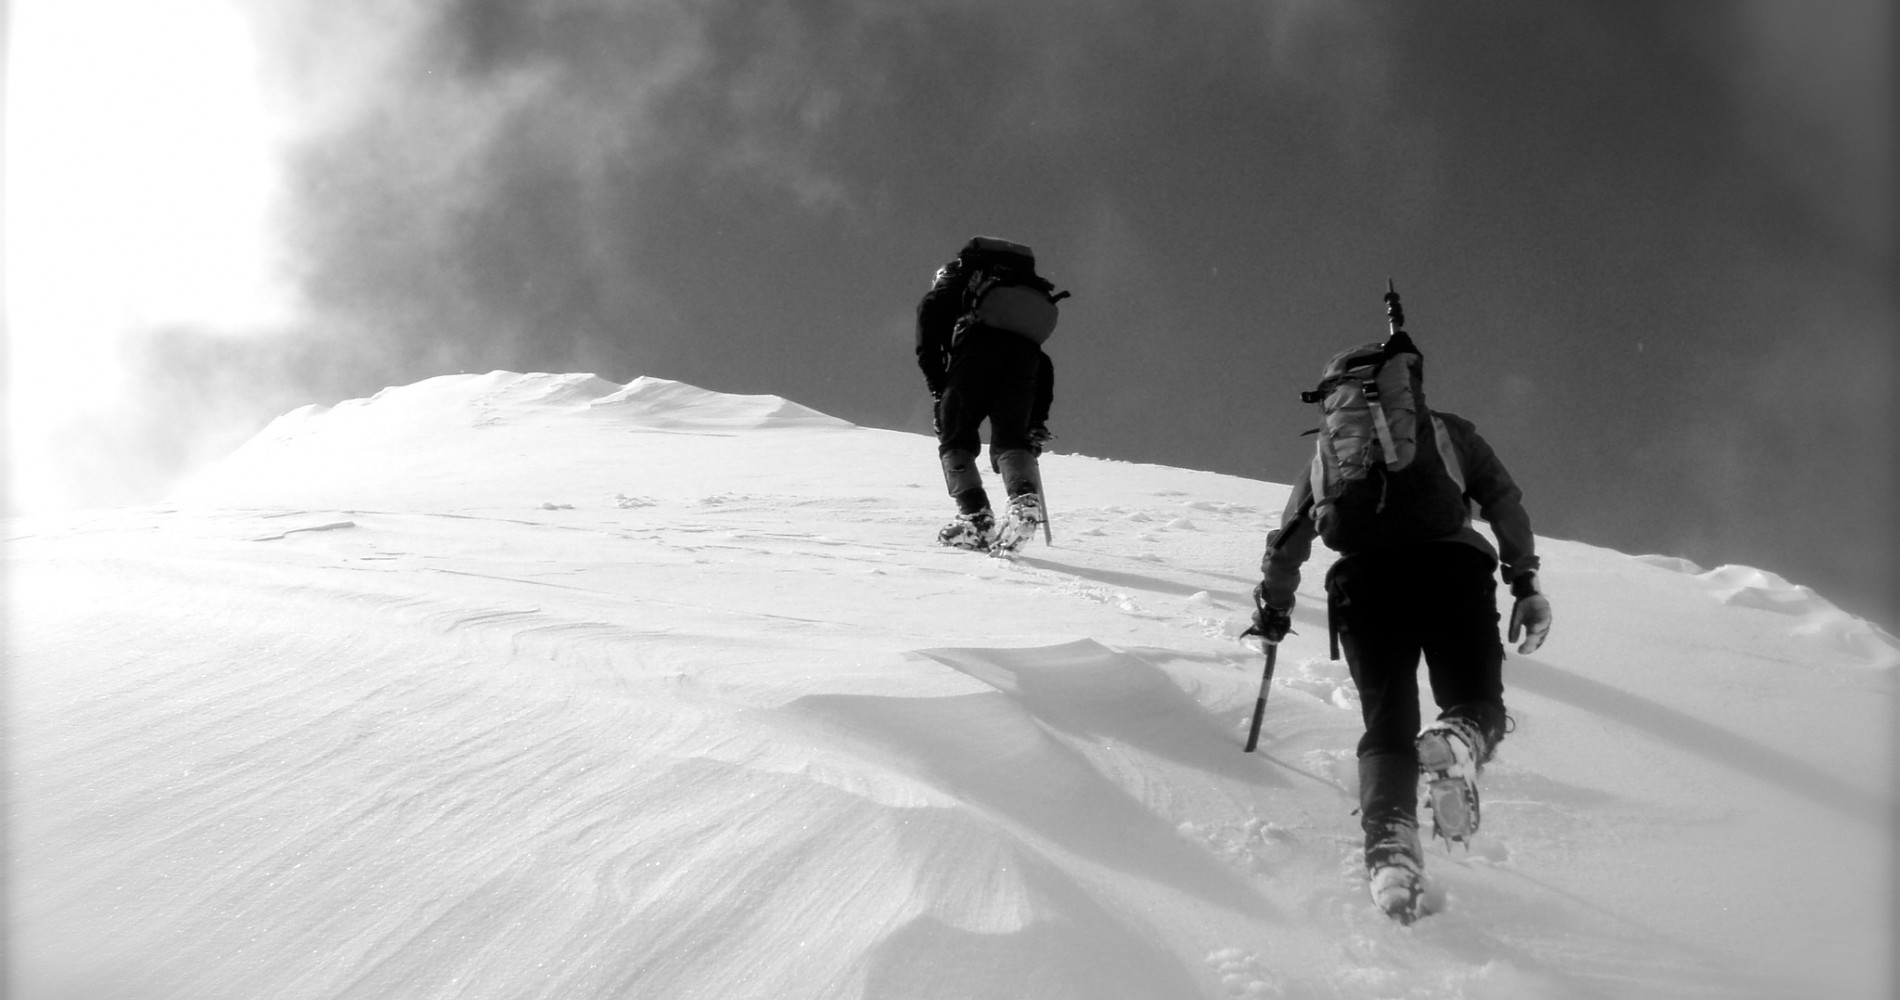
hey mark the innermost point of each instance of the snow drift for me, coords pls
(524, 686)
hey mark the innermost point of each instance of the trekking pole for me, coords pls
(1048, 537)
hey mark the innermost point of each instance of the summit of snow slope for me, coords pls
(537, 685)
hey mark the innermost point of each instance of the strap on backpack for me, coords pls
(1447, 453)
(1370, 387)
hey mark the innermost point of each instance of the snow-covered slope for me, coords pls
(513, 686)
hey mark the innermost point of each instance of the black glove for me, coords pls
(936, 414)
(1038, 437)
(1269, 623)
(934, 362)
(1530, 616)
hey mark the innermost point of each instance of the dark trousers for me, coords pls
(992, 377)
(1390, 606)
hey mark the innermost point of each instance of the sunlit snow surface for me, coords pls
(514, 686)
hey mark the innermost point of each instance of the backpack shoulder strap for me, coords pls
(1448, 452)
(982, 279)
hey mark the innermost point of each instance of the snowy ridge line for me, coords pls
(501, 396)
(1749, 587)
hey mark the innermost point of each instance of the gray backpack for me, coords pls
(1384, 471)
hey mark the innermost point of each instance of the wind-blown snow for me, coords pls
(512, 686)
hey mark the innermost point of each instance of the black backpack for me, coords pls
(1004, 292)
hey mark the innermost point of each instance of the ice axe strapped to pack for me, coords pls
(1380, 473)
(1365, 378)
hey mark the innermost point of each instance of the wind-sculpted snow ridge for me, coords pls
(483, 436)
(1814, 615)
(657, 402)
(502, 687)
(502, 396)
(1748, 587)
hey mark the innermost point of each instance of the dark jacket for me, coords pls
(938, 315)
(1487, 485)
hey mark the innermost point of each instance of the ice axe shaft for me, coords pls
(1260, 628)
(1260, 703)
(1394, 313)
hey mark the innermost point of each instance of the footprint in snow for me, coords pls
(1327, 680)
(1257, 847)
(1242, 975)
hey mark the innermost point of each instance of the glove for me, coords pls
(1530, 616)
(936, 414)
(1038, 436)
(1269, 623)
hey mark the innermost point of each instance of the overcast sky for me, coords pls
(1645, 246)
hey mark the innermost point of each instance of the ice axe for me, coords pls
(1266, 680)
